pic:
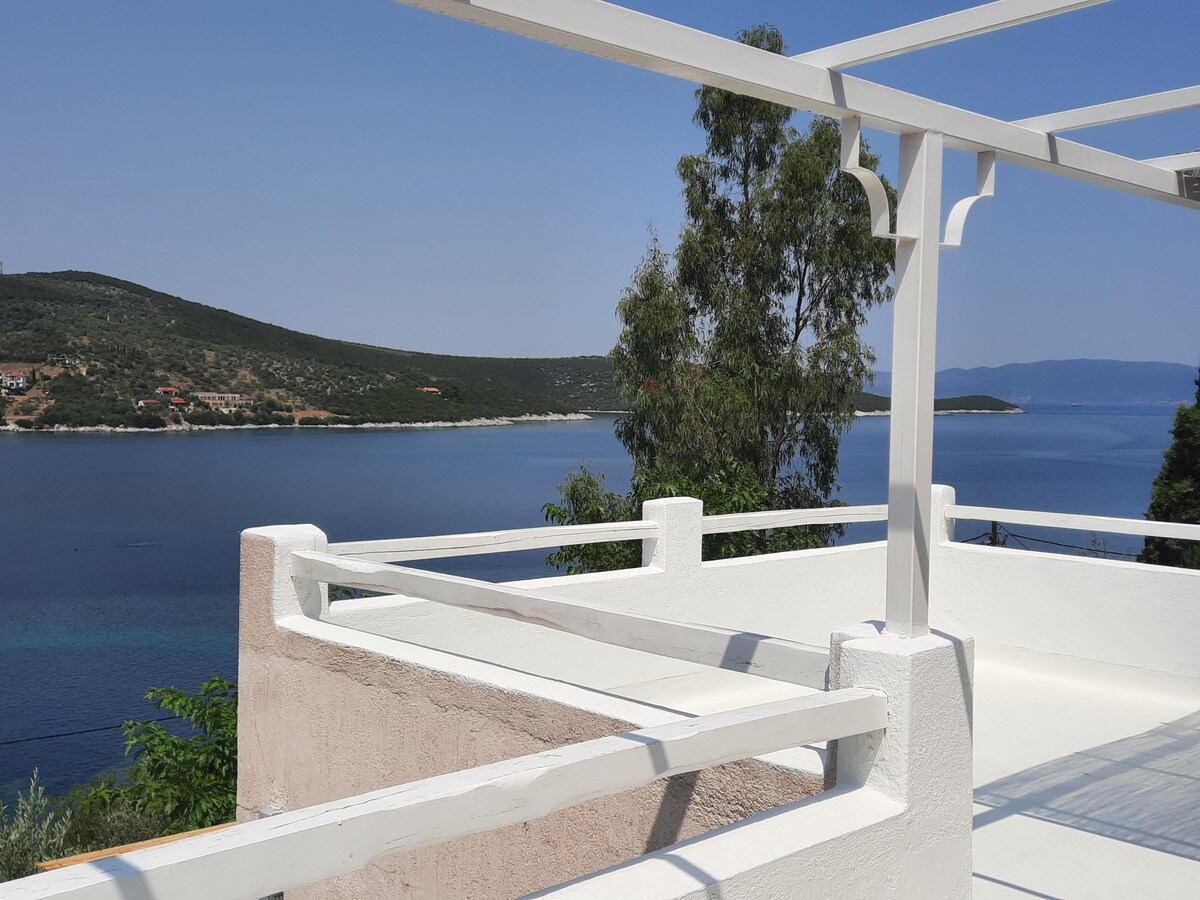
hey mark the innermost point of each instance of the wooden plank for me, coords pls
(309, 845)
(1115, 111)
(634, 38)
(955, 26)
(441, 545)
(94, 855)
(790, 518)
(707, 645)
(1106, 524)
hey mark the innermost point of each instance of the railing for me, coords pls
(1143, 527)
(319, 842)
(755, 654)
(442, 545)
(791, 518)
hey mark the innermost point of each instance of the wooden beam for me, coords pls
(95, 855)
(1176, 162)
(442, 545)
(706, 645)
(626, 36)
(309, 845)
(942, 30)
(1146, 528)
(1115, 111)
(792, 518)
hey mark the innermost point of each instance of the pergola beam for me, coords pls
(1176, 161)
(623, 35)
(1115, 111)
(942, 30)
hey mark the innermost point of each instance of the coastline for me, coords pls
(953, 412)
(185, 428)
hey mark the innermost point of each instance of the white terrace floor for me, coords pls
(1087, 778)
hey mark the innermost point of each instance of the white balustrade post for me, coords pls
(923, 759)
(941, 528)
(914, 339)
(676, 548)
(268, 594)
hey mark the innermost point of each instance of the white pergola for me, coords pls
(814, 82)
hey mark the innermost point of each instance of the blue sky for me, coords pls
(372, 172)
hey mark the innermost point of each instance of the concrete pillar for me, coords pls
(923, 760)
(676, 550)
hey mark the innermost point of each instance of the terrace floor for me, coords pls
(1087, 778)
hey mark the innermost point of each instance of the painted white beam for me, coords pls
(1143, 527)
(1115, 111)
(623, 35)
(943, 30)
(305, 846)
(706, 645)
(1177, 161)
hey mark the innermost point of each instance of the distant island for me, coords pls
(83, 350)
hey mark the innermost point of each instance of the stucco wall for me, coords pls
(326, 713)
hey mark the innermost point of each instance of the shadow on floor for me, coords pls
(1142, 790)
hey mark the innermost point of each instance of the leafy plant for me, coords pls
(1175, 494)
(32, 833)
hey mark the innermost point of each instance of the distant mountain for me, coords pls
(1087, 381)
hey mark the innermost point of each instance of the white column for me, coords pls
(914, 339)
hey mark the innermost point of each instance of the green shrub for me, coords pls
(32, 833)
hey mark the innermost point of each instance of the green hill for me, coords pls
(117, 342)
(133, 339)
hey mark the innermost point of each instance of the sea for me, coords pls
(120, 551)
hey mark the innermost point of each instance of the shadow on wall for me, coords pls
(1142, 790)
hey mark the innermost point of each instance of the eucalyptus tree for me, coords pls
(739, 354)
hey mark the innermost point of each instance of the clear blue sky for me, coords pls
(367, 171)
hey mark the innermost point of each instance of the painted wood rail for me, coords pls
(309, 845)
(790, 518)
(471, 544)
(756, 654)
(1070, 520)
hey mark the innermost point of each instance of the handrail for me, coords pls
(309, 845)
(790, 518)
(707, 645)
(510, 539)
(1078, 522)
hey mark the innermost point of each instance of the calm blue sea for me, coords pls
(120, 551)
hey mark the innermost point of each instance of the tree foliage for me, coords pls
(34, 831)
(1175, 494)
(739, 356)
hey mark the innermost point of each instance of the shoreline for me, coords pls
(952, 412)
(392, 426)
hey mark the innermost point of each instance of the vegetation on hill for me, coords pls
(132, 340)
(1175, 494)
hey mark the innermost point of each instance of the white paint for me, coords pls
(1107, 524)
(897, 825)
(627, 36)
(985, 186)
(1177, 161)
(792, 518)
(1115, 111)
(877, 199)
(914, 340)
(740, 651)
(942, 30)
(437, 546)
(305, 846)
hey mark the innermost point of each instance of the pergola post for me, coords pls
(914, 344)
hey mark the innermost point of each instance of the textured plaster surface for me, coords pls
(326, 719)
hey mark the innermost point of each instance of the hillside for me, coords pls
(118, 344)
(1083, 381)
(132, 340)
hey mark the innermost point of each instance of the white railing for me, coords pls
(1075, 522)
(319, 842)
(508, 540)
(791, 518)
(707, 645)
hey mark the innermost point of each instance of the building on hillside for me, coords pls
(178, 402)
(168, 391)
(14, 382)
(64, 360)
(223, 402)
(151, 405)
(429, 390)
